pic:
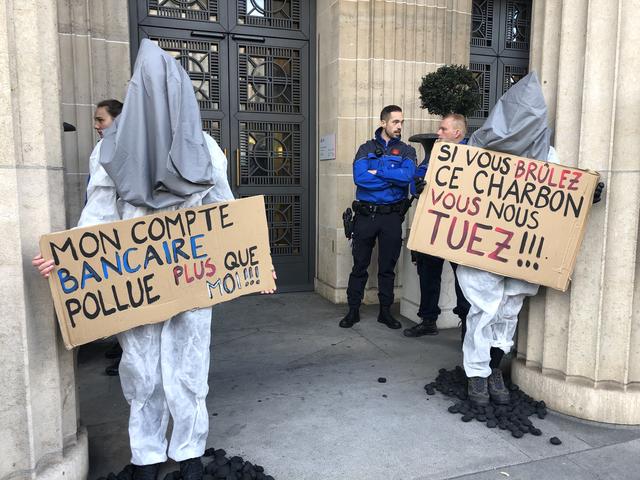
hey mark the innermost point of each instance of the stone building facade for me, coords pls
(579, 350)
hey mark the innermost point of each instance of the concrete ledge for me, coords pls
(74, 464)
(339, 295)
(446, 319)
(583, 401)
(331, 293)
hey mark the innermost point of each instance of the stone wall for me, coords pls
(95, 65)
(371, 54)
(41, 437)
(580, 350)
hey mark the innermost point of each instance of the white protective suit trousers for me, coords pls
(164, 371)
(495, 304)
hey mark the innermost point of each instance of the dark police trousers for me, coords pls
(387, 229)
(430, 272)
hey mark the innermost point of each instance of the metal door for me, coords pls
(500, 38)
(249, 62)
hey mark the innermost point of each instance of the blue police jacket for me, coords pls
(421, 171)
(395, 166)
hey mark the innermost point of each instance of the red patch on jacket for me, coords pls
(395, 151)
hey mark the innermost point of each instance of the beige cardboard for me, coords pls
(195, 257)
(530, 228)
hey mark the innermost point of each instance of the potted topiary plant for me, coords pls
(450, 89)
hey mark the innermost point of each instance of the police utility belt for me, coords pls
(366, 209)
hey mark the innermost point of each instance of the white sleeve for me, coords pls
(552, 156)
(220, 192)
(101, 206)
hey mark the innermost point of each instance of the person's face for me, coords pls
(448, 132)
(102, 120)
(393, 125)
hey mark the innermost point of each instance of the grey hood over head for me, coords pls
(518, 122)
(155, 151)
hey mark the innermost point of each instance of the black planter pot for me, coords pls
(426, 140)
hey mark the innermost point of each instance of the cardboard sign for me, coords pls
(115, 276)
(513, 216)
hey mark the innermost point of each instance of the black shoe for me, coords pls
(191, 469)
(385, 317)
(114, 351)
(497, 390)
(350, 318)
(146, 472)
(478, 391)
(113, 369)
(427, 327)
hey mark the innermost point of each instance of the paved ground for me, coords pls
(294, 392)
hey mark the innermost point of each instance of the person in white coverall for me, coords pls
(156, 158)
(164, 366)
(496, 302)
(516, 125)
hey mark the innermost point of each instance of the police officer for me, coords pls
(382, 171)
(453, 128)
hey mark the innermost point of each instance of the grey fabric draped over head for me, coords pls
(518, 122)
(155, 151)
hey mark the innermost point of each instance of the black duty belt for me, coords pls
(365, 208)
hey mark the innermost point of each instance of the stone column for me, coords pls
(371, 54)
(580, 350)
(94, 66)
(41, 438)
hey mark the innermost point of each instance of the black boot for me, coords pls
(146, 472)
(478, 391)
(497, 390)
(385, 317)
(191, 469)
(350, 318)
(427, 327)
(113, 370)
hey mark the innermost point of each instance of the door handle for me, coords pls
(248, 38)
(203, 33)
(237, 167)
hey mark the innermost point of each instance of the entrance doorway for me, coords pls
(251, 66)
(500, 39)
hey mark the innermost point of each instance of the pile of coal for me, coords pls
(234, 468)
(125, 474)
(216, 467)
(513, 417)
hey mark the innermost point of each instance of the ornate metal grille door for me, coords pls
(249, 62)
(271, 120)
(500, 36)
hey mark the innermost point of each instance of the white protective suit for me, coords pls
(517, 125)
(495, 302)
(164, 366)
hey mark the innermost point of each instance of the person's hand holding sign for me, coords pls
(45, 267)
(597, 194)
(275, 277)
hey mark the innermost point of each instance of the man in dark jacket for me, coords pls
(453, 128)
(382, 171)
